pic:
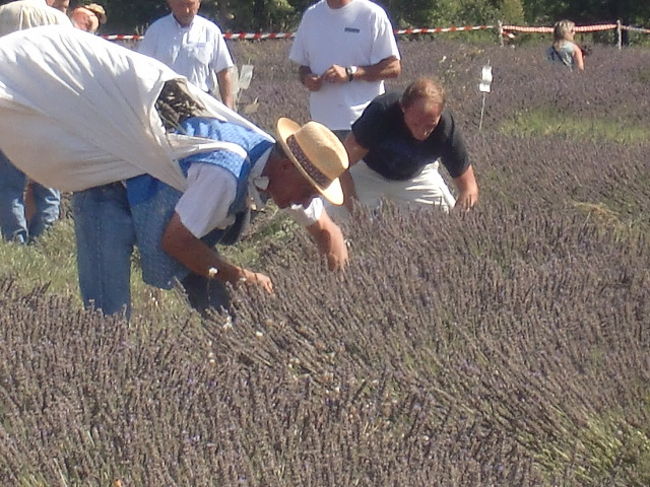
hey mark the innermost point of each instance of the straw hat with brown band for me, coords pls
(317, 153)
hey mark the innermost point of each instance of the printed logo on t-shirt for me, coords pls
(354, 30)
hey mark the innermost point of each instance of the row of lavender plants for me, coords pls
(505, 346)
(614, 83)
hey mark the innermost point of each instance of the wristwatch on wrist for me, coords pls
(350, 70)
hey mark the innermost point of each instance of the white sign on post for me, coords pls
(245, 76)
(486, 79)
(242, 80)
(484, 86)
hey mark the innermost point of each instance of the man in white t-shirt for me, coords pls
(192, 46)
(345, 49)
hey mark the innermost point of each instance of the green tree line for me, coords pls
(127, 16)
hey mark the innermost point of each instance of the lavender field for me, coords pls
(504, 347)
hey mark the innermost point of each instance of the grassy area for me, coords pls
(547, 121)
(51, 262)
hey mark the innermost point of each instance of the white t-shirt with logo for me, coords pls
(358, 34)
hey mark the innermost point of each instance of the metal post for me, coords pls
(480, 123)
(619, 34)
(500, 29)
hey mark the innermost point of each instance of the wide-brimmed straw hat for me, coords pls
(317, 153)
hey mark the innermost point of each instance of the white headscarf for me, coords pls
(77, 111)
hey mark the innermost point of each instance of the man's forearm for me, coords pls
(194, 254)
(385, 69)
(224, 78)
(356, 152)
(467, 189)
(349, 191)
(330, 242)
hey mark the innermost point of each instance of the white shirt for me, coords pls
(25, 14)
(211, 190)
(195, 51)
(358, 34)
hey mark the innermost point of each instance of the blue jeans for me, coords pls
(13, 223)
(105, 240)
(105, 235)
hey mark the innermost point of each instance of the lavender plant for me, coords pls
(505, 346)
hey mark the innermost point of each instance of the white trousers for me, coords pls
(427, 188)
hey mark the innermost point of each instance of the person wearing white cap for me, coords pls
(156, 163)
(99, 11)
(88, 17)
(24, 14)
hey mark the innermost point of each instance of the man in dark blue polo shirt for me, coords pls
(395, 148)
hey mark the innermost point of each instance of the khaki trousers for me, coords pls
(427, 188)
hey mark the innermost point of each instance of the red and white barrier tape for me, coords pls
(235, 36)
(580, 28)
(435, 30)
(635, 29)
(241, 36)
(258, 36)
(121, 37)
